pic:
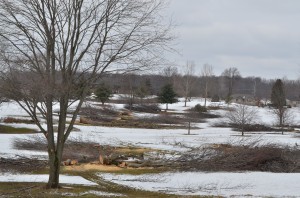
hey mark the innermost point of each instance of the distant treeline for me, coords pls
(218, 85)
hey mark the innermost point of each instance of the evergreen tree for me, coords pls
(103, 93)
(279, 101)
(278, 96)
(167, 95)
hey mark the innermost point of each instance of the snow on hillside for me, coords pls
(198, 183)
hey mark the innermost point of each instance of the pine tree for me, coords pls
(167, 95)
(103, 93)
(278, 96)
(279, 101)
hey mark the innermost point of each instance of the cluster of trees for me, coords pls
(242, 114)
(206, 84)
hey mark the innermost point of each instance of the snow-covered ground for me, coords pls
(64, 179)
(244, 184)
(237, 184)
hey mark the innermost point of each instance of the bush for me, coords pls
(199, 108)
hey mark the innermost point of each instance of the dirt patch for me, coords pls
(91, 167)
(99, 167)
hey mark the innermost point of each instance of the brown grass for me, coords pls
(17, 120)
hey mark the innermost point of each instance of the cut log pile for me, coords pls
(124, 160)
(109, 155)
(69, 162)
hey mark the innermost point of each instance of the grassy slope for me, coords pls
(13, 130)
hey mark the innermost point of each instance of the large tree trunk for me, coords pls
(55, 151)
(54, 164)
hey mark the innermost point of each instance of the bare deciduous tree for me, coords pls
(284, 117)
(231, 74)
(55, 50)
(206, 73)
(241, 115)
(187, 80)
(171, 72)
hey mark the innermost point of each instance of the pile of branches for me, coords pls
(225, 157)
(22, 164)
(145, 108)
(75, 148)
(101, 114)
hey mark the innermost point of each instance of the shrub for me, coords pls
(103, 93)
(199, 108)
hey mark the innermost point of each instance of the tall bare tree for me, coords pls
(231, 74)
(187, 80)
(283, 117)
(130, 86)
(65, 46)
(171, 72)
(206, 73)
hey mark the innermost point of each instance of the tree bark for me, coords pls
(54, 164)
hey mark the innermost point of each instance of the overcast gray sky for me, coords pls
(259, 37)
